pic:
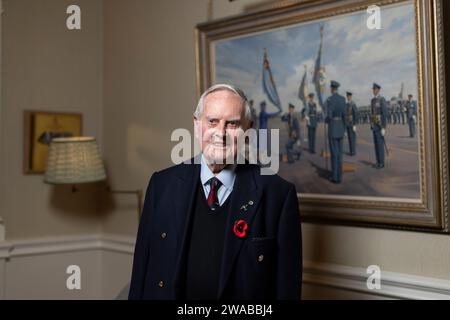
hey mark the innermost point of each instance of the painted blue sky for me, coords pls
(352, 54)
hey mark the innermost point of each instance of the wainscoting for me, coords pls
(36, 269)
(328, 281)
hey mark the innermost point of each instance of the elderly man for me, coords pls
(212, 229)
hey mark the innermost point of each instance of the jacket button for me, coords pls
(161, 284)
(260, 258)
(163, 235)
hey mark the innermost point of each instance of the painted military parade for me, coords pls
(342, 117)
(339, 117)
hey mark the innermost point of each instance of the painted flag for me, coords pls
(303, 90)
(269, 84)
(319, 72)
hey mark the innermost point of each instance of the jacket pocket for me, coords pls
(261, 251)
(259, 257)
(261, 239)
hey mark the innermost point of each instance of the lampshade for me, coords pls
(74, 160)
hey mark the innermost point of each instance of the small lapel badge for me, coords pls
(244, 207)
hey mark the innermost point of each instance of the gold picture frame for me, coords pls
(428, 211)
(39, 128)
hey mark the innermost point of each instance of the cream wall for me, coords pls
(47, 67)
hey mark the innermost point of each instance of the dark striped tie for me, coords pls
(213, 201)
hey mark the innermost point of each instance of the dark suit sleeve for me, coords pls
(141, 249)
(289, 254)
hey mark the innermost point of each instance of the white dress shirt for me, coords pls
(226, 177)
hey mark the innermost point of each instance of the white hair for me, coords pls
(227, 87)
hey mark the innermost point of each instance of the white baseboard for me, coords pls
(39, 246)
(393, 285)
(327, 277)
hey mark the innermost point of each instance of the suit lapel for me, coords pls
(245, 192)
(185, 192)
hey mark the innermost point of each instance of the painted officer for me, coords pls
(336, 120)
(391, 112)
(293, 134)
(398, 112)
(351, 121)
(254, 116)
(264, 135)
(402, 110)
(311, 121)
(264, 116)
(410, 106)
(378, 115)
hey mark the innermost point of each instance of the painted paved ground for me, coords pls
(399, 178)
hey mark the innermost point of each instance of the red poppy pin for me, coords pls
(240, 228)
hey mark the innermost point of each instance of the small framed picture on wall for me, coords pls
(40, 127)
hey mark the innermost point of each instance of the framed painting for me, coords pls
(394, 162)
(39, 129)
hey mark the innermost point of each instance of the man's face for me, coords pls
(375, 91)
(223, 115)
(349, 98)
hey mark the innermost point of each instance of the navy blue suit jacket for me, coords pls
(274, 232)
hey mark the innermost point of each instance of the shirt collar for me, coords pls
(226, 176)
